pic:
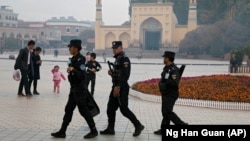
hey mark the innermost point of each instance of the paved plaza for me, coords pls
(33, 119)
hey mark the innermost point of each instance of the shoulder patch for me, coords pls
(82, 67)
(126, 64)
(174, 76)
(172, 68)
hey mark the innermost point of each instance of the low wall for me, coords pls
(194, 102)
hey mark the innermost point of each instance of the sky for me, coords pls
(115, 12)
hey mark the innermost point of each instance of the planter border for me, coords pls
(193, 102)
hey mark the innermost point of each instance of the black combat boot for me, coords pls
(93, 133)
(110, 130)
(158, 132)
(138, 130)
(36, 92)
(61, 133)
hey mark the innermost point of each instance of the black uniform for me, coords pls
(91, 76)
(169, 87)
(78, 93)
(120, 76)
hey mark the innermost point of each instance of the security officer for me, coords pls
(119, 94)
(169, 88)
(78, 92)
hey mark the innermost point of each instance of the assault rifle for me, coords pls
(112, 70)
(182, 68)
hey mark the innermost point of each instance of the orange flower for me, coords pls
(213, 87)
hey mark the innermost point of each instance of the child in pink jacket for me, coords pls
(57, 75)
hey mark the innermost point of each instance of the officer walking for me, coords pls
(120, 89)
(78, 92)
(169, 88)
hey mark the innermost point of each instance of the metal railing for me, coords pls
(239, 69)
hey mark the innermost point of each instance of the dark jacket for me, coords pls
(170, 78)
(36, 66)
(122, 68)
(92, 65)
(77, 76)
(22, 59)
(233, 62)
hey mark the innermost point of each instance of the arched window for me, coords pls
(68, 29)
(125, 38)
(77, 29)
(12, 35)
(19, 36)
(27, 36)
(109, 38)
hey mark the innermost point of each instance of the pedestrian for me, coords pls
(92, 66)
(57, 76)
(23, 62)
(56, 53)
(120, 90)
(44, 52)
(139, 56)
(104, 56)
(78, 95)
(169, 88)
(37, 62)
(88, 57)
(233, 64)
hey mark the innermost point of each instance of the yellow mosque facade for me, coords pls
(152, 26)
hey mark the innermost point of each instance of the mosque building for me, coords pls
(152, 26)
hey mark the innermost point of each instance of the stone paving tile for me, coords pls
(33, 119)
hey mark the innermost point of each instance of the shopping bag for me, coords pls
(17, 75)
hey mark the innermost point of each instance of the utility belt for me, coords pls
(166, 89)
(162, 86)
(116, 75)
(74, 80)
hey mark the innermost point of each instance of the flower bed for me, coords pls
(230, 88)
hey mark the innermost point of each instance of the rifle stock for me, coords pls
(110, 68)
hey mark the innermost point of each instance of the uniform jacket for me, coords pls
(170, 78)
(122, 69)
(77, 76)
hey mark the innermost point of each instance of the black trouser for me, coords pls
(168, 101)
(233, 69)
(78, 97)
(91, 78)
(34, 84)
(114, 103)
(24, 82)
